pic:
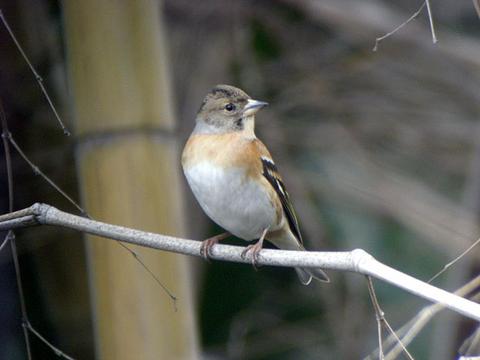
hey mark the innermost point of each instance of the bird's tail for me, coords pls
(307, 274)
(290, 242)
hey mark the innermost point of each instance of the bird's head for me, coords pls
(227, 109)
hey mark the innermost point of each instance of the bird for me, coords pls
(235, 180)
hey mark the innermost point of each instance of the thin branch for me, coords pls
(381, 320)
(37, 171)
(430, 20)
(57, 351)
(412, 328)
(21, 295)
(155, 277)
(7, 239)
(379, 316)
(412, 17)
(447, 266)
(35, 73)
(11, 236)
(8, 166)
(354, 261)
(399, 342)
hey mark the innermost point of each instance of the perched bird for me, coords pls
(234, 179)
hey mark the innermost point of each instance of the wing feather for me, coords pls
(270, 172)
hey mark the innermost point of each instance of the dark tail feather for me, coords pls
(307, 274)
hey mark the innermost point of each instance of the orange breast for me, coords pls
(232, 150)
(226, 150)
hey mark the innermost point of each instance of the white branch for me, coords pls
(354, 261)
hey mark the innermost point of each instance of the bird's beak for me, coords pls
(253, 106)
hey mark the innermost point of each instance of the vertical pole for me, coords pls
(128, 164)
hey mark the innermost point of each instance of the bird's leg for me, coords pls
(255, 249)
(208, 244)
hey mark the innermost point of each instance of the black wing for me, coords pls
(271, 174)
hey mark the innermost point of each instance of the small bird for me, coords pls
(234, 179)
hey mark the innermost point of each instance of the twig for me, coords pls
(35, 73)
(37, 171)
(57, 351)
(5, 241)
(355, 261)
(430, 20)
(411, 328)
(155, 277)
(11, 236)
(379, 316)
(8, 165)
(448, 265)
(21, 295)
(381, 320)
(412, 17)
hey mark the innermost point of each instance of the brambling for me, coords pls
(234, 179)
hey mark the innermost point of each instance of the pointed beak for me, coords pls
(253, 106)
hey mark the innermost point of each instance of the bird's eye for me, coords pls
(229, 107)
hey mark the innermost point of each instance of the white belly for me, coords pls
(236, 203)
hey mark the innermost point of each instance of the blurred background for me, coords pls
(379, 150)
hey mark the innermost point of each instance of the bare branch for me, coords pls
(6, 240)
(10, 238)
(390, 33)
(459, 257)
(379, 315)
(430, 20)
(56, 350)
(37, 171)
(412, 328)
(35, 73)
(381, 320)
(354, 261)
(151, 273)
(375, 17)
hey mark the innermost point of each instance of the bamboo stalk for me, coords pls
(128, 175)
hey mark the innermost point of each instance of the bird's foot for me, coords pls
(209, 243)
(255, 250)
